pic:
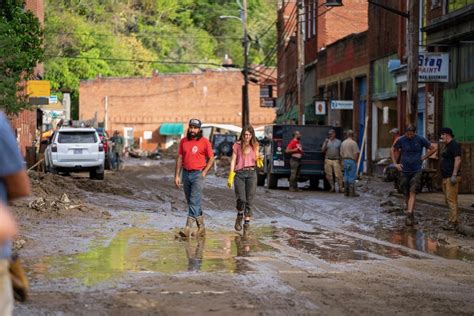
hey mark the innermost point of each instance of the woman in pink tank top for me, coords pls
(243, 175)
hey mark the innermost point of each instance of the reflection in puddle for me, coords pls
(417, 239)
(146, 250)
(334, 247)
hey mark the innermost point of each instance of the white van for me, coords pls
(76, 149)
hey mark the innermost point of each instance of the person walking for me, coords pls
(451, 173)
(14, 183)
(350, 155)
(243, 175)
(118, 144)
(295, 149)
(410, 146)
(195, 158)
(332, 163)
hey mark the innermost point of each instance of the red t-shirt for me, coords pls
(294, 144)
(195, 152)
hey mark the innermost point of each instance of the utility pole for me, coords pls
(412, 62)
(300, 70)
(245, 87)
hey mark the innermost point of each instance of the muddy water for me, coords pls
(138, 250)
(417, 239)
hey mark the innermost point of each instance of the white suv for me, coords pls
(75, 149)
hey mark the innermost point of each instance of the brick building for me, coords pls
(143, 104)
(322, 26)
(25, 123)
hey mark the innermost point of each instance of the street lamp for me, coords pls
(245, 44)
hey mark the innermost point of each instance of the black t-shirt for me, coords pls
(450, 151)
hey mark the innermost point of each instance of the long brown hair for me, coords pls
(253, 141)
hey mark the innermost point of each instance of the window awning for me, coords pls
(171, 129)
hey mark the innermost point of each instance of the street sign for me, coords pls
(342, 105)
(53, 99)
(433, 67)
(38, 88)
(320, 107)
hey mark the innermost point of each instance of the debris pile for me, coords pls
(55, 204)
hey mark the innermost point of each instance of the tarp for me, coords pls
(171, 129)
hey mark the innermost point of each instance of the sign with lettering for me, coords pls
(342, 105)
(433, 67)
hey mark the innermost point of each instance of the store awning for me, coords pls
(171, 129)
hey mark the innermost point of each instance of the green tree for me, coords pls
(20, 51)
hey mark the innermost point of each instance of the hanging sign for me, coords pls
(342, 105)
(320, 107)
(433, 67)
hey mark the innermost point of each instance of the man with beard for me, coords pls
(195, 158)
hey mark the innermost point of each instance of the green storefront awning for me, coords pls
(171, 129)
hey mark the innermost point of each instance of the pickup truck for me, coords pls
(277, 162)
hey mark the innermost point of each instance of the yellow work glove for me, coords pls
(259, 162)
(230, 180)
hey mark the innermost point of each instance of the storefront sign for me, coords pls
(320, 107)
(342, 105)
(433, 67)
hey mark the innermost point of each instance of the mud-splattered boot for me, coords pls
(333, 187)
(186, 232)
(410, 219)
(352, 192)
(238, 222)
(201, 232)
(346, 191)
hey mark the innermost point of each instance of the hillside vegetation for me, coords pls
(124, 38)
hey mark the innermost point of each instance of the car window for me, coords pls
(77, 137)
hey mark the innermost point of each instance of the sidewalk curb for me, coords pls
(442, 205)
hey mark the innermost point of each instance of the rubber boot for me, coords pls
(238, 222)
(201, 232)
(352, 192)
(333, 187)
(346, 191)
(410, 219)
(342, 187)
(186, 232)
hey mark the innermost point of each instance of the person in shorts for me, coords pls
(410, 147)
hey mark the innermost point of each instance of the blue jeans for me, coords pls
(350, 171)
(192, 185)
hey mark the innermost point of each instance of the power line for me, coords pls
(138, 60)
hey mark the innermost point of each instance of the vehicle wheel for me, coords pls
(272, 181)
(260, 179)
(314, 183)
(225, 149)
(107, 164)
(327, 185)
(99, 175)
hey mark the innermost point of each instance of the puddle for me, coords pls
(417, 239)
(138, 250)
(333, 247)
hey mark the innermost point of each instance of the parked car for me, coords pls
(74, 150)
(277, 162)
(105, 139)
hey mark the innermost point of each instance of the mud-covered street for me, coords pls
(109, 247)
